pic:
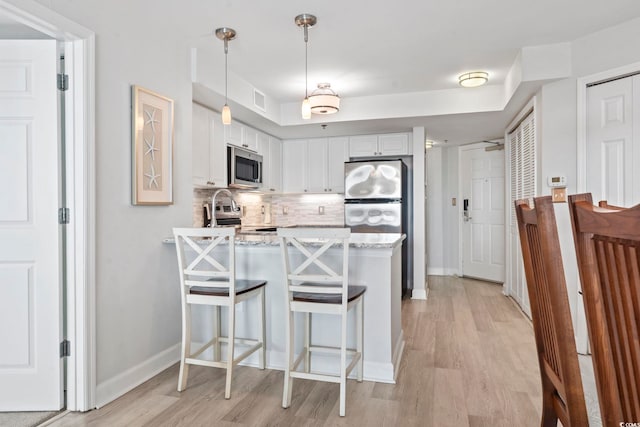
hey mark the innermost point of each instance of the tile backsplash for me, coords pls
(278, 209)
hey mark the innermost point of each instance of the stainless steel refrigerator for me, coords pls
(376, 201)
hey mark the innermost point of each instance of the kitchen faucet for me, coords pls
(234, 206)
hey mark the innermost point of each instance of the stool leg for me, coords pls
(307, 342)
(216, 331)
(343, 362)
(186, 347)
(360, 333)
(288, 381)
(261, 323)
(231, 335)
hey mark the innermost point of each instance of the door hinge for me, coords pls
(65, 348)
(63, 216)
(63, 82)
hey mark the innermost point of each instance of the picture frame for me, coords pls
(152, 137)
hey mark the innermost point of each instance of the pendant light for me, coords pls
(225, 34)
(306, 21)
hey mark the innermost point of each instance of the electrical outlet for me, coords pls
(285, 210)
(320, 210)
(453, 201)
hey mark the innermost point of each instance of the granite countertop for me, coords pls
(357, 240)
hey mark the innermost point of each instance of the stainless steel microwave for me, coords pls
(244, 168)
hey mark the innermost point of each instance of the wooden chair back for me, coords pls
(607, 242)
(562, 393)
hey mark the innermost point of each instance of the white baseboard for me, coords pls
(115, 387)
(436, 271)
(419, 293)
(397, 355)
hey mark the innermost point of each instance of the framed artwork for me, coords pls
(152, 148)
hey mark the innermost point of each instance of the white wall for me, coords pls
(138, 314)
(435, 210)
(595, 53)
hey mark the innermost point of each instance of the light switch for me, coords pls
(453, 201)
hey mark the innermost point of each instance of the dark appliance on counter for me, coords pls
(225, 214)
(376, 201)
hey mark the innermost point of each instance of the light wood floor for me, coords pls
(469, 360)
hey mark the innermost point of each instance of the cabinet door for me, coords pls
(363, 146)
(200, 145)
(337, 154)
(275, 166)
(294, 160)
(233, 133)
(218, 151)
(250, 138)
(393, 144)
(317, 165)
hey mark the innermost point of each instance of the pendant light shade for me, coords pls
(226, 115)
(306, 109)
(225, 34)
(324, 100)
(306, 21)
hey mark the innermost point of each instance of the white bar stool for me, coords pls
(314, 287)
(208, 281)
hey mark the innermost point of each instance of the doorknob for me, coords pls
(465, 210)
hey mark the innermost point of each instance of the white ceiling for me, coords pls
(379, 47)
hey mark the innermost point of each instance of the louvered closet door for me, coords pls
(522, 166)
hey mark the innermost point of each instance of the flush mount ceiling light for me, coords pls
(473, 79)
(225, 34)
(324, 100)
(306, 21)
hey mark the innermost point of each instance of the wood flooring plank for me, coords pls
(469, 360)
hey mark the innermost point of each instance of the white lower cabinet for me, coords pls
(209, 156)
(314, 165)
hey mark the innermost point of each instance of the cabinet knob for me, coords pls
(272, 189)
(305, 190)
(329, 189)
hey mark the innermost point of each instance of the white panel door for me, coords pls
(612, 154)
(30, 297)
(483, 221)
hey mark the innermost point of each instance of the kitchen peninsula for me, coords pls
(374, 262)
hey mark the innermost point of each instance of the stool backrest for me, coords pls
(550, 312)
(607, 241)
(204, 269)
(305, 263)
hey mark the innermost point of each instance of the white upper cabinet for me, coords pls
(314, 165)
(294, 161)
(271, 150)
(209, 159)
(393, 144)
(379, 145)
(241, 136)
(337, 154)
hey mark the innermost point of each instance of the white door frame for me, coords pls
(460, 200)
(80, 164)
(582, 338)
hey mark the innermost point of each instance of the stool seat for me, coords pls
(242, 286)
(353, 292)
